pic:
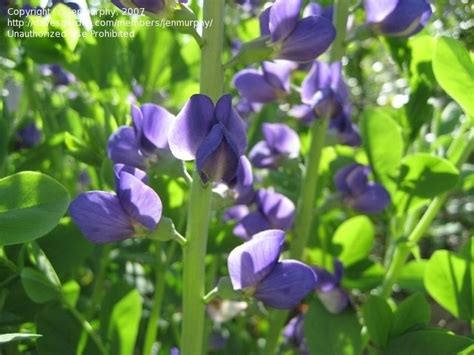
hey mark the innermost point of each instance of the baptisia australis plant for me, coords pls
(255, 269)
(400, 18)
(360, 193)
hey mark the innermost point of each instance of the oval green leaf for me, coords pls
(31, 205)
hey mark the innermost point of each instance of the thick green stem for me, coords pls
(310, 186)
(305, 211)
(194, 253)
(161, 267)
(402, 250)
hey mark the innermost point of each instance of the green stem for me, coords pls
(98, 290)
(194, 253)
(160, 270)
(305, 211)
(310, 187)
(87, 328)
(402, 250)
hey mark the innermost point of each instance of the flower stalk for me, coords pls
(310, 187)
(212, 77)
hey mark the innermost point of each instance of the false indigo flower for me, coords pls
(299, 40)
(59, 76)
(328, 288)
(274, 211)
(28, 136)
(324, 89)
(213, 136)
(294, 334)
(243, 190)
(400, 18)
(105, 217)
(254, 268)
(362, 195)
(280, 143)
(146, 142)
(271, 84)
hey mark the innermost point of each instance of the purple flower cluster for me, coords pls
(28, 136)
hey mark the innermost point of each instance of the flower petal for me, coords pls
(251, 224)
(244, 172)
(100, 217)
(282, 139)
(283, 18)
(311, 37)
(137, 120)
(277, 208)
(357, 179)
(217, 159)
(406, 18)
(287, 284)
(252, 261)
(335, 300)
(340, 179)
(139, 174)
(234, 126)
(236, 212)
(377, 10)
(123, 148)
(277, 74)
(318, 78)
(191, 127)
(141, 202)
(264, 21)
(303, 113)
(253, 86)
(374, 199)
(156, 124)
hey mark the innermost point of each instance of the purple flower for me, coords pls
(273, 211)
(28, 136)
(152, 6)
(362, 195)
(325, 90)
(272, 83)
(299, 40)
(243, 190)
(398, 17)
(314, 9)
(294, 334)
(59, 76)
(280, 143)
(255, 270)
(105, 217)
(145, 143)
(249, 5)
(328, 288)
(214, 136)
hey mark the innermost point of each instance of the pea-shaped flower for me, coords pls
(401, 18)
(361, 194)
(146, 142)
(299, 40)
(104, 217)
(28, 136)
(280, 143)
(255, 269)
(273, 211)
(269, 84)
(214, 136)
(324, 89)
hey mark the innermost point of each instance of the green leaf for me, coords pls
(413, 311)
(38, 287)
(454, 71)
(332, 334)
(6, 338)
(120, 318)
(448, 279)
(432, 342)
(70, 292)
(411, 277)
(378, 319)
(423, 177)
(353, 240)
(31, 205)
(383, 144)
